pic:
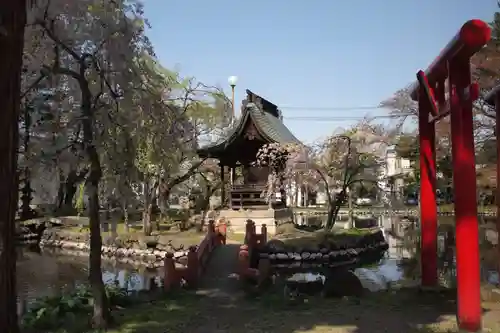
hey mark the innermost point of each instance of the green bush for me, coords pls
(53, 311)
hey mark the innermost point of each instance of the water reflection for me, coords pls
(46, 273)
(389, 270)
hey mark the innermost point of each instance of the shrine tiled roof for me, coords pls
(270, 128)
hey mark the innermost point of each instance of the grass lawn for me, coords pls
(77, 225)
(402, 311)
(299, 238)
(187, 237)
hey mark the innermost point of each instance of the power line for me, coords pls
(331, 108)
(346, 118)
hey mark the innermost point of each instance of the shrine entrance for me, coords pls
(445, 88)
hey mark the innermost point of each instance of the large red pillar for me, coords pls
(464, 182)
(428, 209)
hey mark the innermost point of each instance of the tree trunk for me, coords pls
(70, 188)
(146, 219)
(306, 197)
(101, 318)
(149, 203)
(125, 214)
(296, 193)
(163, 197)
(115, 217)
(283, 195)
(26, 197)
(334, 208)
(350, 224)
(205, 203)
(12, 23)
(69, 195)
(60, 192)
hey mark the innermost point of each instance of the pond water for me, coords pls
(44, 273)
(390, 268)
(48, 273)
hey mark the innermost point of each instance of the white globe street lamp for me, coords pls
(232, 80)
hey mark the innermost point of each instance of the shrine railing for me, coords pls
(248, 187)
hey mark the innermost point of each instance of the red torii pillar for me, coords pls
(453, 67)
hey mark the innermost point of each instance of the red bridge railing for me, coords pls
(197, 259)
(253, 241)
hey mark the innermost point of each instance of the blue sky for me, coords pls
(308, 54)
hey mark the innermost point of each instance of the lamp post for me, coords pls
(232, 80)
(232, 83)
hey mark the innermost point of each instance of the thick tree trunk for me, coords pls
(101, 318)
(12, 23)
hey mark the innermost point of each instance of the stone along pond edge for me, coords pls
(150, 257)
(356, 248)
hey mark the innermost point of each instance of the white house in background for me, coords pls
(394, 171)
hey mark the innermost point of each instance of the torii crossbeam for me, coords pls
(444, 89)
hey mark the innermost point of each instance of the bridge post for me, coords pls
(222, 231)
(193, 267)
(170, 278)
(248, 231)
(213, 237)
(263, 232)
(464, 183)
(243, 261)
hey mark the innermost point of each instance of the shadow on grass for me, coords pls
(404, 311)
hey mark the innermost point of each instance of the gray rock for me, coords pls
(276, 245)
(340, 283)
